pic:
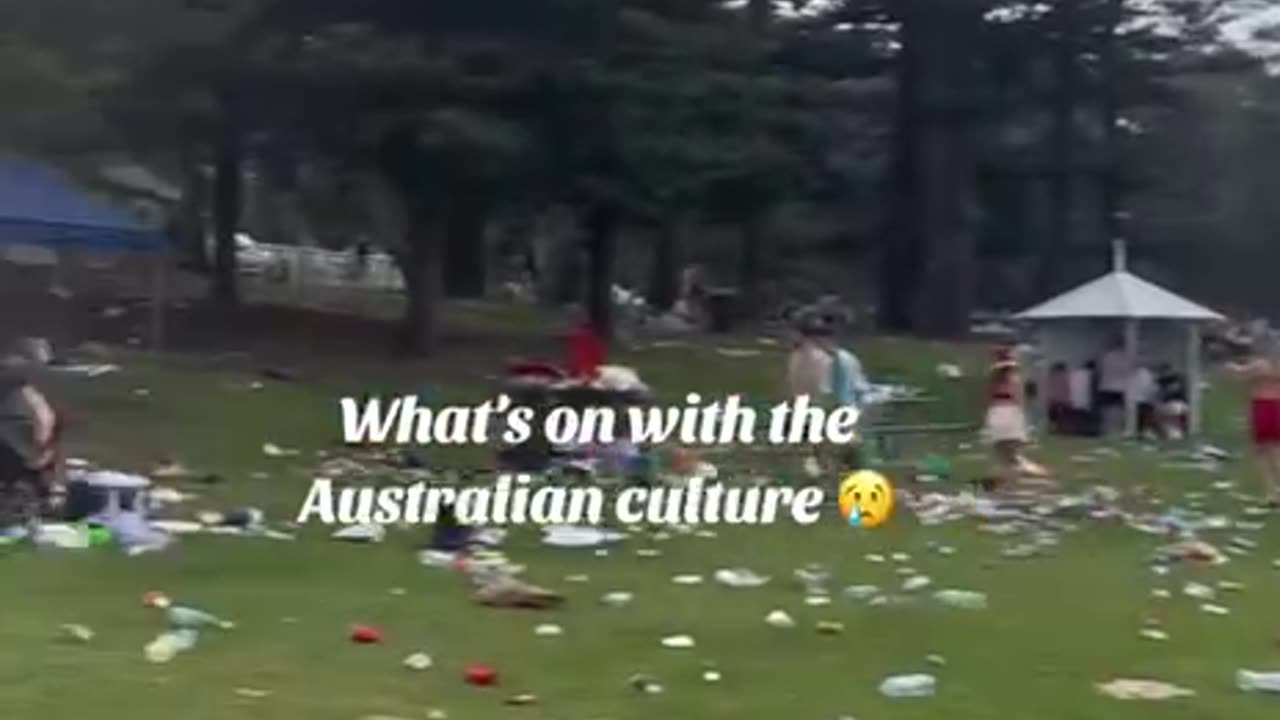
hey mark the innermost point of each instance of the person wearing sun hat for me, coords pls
(1005, 424)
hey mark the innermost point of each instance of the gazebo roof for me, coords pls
(1119, 294)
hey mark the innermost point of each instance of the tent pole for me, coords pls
(1193, 378)
(1131, 360)
(159, 269)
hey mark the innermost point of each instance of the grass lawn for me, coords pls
(1056, 625)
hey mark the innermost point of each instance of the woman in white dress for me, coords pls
(1005, 424)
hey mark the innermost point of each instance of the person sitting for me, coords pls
(29, 435)
(1174, 410)
(450, 535)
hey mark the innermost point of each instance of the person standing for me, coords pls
(808, 363)
(1147, 396)
(828, 374)
(1113, 382)
(1263, 376)
(585, 350)
(1058, 399)
(1082, 382)
(28, 450)
(1005, 424)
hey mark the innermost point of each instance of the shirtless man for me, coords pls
(28, 449)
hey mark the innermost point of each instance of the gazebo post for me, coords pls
(1193, 378)
(1131, 360)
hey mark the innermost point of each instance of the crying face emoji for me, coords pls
(865, 499)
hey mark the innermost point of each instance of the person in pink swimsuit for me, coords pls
(1005, 423)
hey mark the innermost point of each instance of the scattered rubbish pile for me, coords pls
(115, 508)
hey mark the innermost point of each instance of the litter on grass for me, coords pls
(678, 642)
(1137, 689)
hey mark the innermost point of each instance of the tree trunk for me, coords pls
(466, 256)
(567, 284)
(192, 229)
(759, 15)
(1110, 179)
(946, 181)
(602, 229)
(751, 266)
(281, 223)
(665, 278)
(900, 255)
(421, 265)
(945, 295)
(1061, 198)
(227, 192)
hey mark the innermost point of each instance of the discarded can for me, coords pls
(365, 634)
(79, 633)
(909, 686)
(418, 661)
(480, 674)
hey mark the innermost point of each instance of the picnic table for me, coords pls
(884, 429)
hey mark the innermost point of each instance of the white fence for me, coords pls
(316, 267)
(322, 279)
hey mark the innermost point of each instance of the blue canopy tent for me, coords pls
(40, 206)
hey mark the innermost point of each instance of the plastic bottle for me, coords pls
(1250, 681)
(909, 686)
(190, 618)
(963, 599)
(167, 645)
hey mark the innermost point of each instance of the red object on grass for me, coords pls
(586, 351)
(480, 674)
(534, 368)
(365, 634)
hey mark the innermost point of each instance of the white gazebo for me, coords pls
(1073, 326)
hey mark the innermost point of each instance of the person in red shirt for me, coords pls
(586, 352)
